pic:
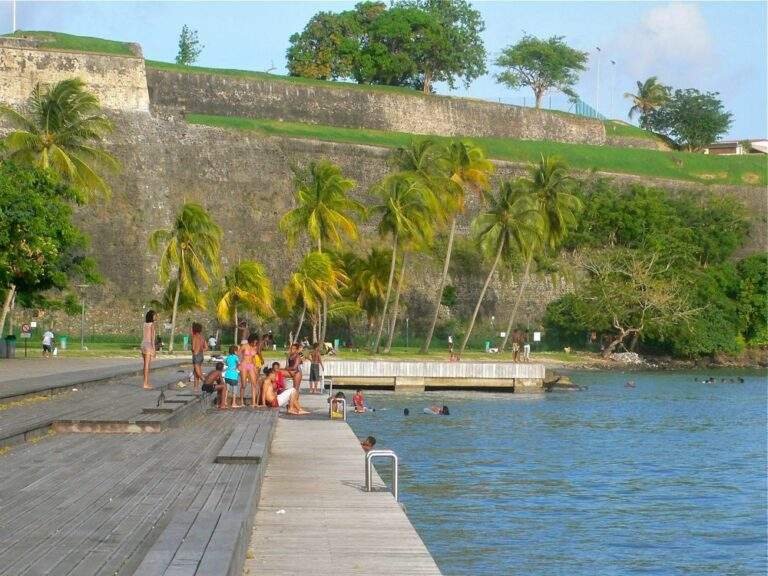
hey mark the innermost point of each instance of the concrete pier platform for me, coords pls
(314, 516)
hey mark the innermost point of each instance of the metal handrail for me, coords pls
(370, 455)
(331, 400)
(329, 380)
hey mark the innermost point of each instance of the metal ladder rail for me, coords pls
(370, 455)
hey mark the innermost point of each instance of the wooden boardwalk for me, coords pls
(314, 516)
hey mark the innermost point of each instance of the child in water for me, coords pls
(442, 411)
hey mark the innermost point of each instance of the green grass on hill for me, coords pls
(60, 41)
(750, 170)
(623, 129)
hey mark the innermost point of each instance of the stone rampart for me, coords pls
(352, 107)
(120, 82)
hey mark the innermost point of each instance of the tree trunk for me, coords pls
(301, 323)
(396, 305)
(443, 278)
(539, 98)
(7, 306)
(237, 328)
(389, 292)
(482, 295)
(427, 82)
(324, 323)
(173, 314)
(315, 320)
(513, 315)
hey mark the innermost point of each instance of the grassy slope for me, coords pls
(618, 128)
(652, 163)
(60, 41)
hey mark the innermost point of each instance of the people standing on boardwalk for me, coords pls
(48, 343)
(293, 366)
(232, 374)
(250, 363)
(198, 353)
(527, 349)
(214, 382)
(212, 342)
(515, 351)
(148, 345)
(315, 366)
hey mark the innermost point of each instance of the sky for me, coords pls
(712, 46)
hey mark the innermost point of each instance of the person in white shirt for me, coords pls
(48, 343)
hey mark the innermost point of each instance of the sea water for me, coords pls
(668, 477)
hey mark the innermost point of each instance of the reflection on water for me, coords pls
(665, 478)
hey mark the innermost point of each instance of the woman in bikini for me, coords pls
(293, 366)
(248, 358)
(198, 353)
(148, 345)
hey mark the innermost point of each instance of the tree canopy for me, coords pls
(189, 46)
(412, 43)
(541, 65)
(691, 118)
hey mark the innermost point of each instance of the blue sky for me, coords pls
(716, 46)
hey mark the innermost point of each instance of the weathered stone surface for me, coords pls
(120, 82)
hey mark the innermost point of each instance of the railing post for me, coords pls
(370, 455)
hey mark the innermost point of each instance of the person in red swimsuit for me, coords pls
(289, 397)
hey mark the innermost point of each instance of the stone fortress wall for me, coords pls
(244, 179)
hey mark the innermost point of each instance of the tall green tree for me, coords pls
(550, 185)
(368, 282)
(541, 65)
(464, 168)
(691, 118)
(324, 211)
(649, 97)
(246, 287)
(40, 248)
(62, 131)
(405, 217)
(511, 222)
(189, 253)
(189, 47)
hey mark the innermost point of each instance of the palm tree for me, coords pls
(549, 185)
(465, 167)
(324, 211)
(368, 282)
(510, 222)
(246, 287)
(316, 278)
(190, 248)
(61, 133)
(406, 217)
(650, 96)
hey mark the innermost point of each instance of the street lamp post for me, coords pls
(82, 315)
(597, 91)
(407, 331)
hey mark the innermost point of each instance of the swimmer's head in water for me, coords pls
(444, 411)
(406, 412)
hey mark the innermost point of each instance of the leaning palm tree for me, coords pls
(466, 168)
(324, 211)
(189, 252)
(406, 217)
(511, 221)
(61, 131)
(650, 96)
(245, 287)
(315, 279)
(549, 184)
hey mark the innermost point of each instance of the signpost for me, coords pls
(26, 334)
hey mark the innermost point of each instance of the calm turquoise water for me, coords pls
(666, 478)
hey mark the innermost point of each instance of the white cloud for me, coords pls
(671, 41)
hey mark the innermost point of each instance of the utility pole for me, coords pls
(13, 16)
(613, 86)
(597, 91)
(82, 316)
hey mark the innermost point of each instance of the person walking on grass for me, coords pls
(148, 345)
(315, 366)
(232, 374)
(198, 353)
(48, 343)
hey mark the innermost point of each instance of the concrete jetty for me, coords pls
(314, 516)
(415, 376)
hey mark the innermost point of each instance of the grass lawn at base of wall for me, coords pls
(700, 168)
(60, 41)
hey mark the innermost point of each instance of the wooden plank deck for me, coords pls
(330, 525)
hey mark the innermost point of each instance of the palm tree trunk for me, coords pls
(443, 278)
(175, 309)
(324, 325)
(315, 320)
(389, 292)
(7, 306)
(482, 295)
(513, 315)
(301, 323)
(396, 305)
(234, 337)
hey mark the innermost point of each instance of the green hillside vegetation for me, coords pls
(750, 170)
(619, 128)
(60, 41)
